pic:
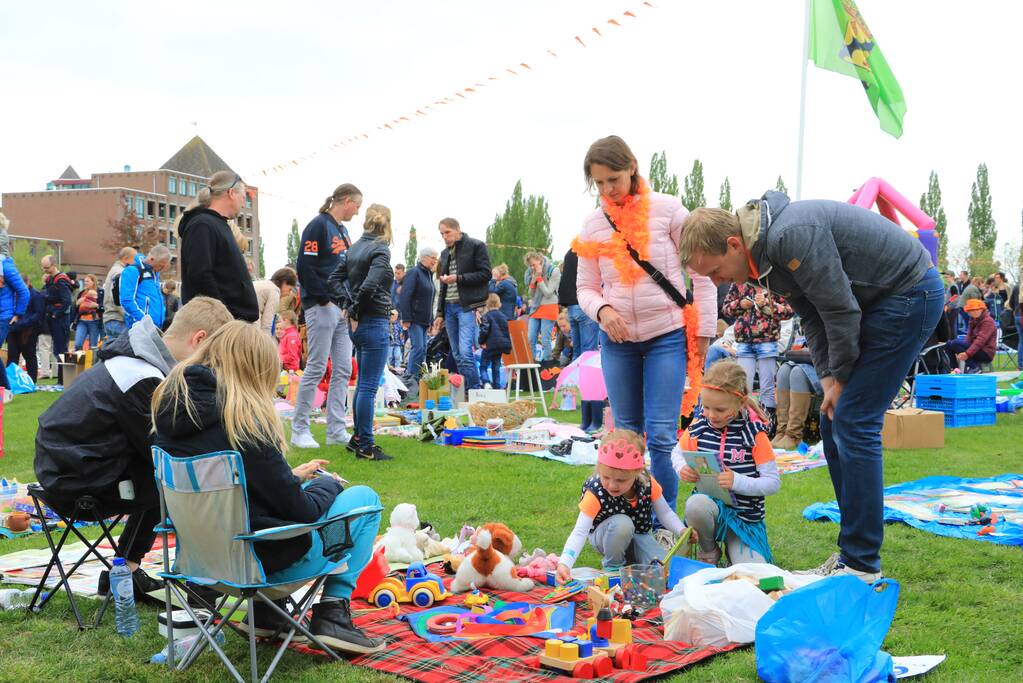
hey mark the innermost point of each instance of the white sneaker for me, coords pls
(303, 440)
(341, 440)
(865, 577)
(826, 569)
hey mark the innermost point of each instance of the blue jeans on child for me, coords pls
(490, 365)
(463, 331)
(394, 356)
(617, 541)
(892, 334)
(542, 329)
(371, 347)
(759, 359)
(363, 529)
(715, 352)
(644, 384)
(584, 331)
(87, 329)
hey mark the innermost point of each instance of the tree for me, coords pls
(660, 181)
(131, 231)
(294, 243)
(411, 248)
(930, 204)
(524, 226)
(261, 266)
(725, 195)
(780, 186)
(983, 233)
(26, 254)
(693, 197)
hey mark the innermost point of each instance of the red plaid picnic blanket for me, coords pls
(506, 659)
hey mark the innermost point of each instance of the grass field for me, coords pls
(959, 598)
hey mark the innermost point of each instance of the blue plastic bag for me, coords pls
(19, 381)
(828, 632)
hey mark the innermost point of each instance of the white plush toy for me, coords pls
(399, 541)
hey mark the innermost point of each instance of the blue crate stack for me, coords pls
(966, 400)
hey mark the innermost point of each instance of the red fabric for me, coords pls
(982, 336)
(505, 659)
(290, 349)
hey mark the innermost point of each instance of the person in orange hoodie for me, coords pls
(981, 338)
(290, 344)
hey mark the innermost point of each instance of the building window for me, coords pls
(161, 210)
(173, 238)
(150, 209)
(172, 185)
(248, 201)
(192, 189)
(173, 212)
(140, 207)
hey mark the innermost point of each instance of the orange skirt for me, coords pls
(546, 312)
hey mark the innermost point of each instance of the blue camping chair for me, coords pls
(198, 490)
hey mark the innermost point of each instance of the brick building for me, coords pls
(76, 212)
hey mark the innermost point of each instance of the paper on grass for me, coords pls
(914, 666)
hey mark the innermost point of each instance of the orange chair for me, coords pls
(521, 358)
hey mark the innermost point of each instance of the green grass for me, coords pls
(958, 598)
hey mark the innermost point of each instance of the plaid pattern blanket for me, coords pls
(505, 659)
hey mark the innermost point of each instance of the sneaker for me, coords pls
(866, 577)
(332, 624)
(142, 582)
(826, 569)
(341, 440)
(303, 440)
(268, 622)
(370, 452)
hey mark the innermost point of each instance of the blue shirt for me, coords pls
(323, 242)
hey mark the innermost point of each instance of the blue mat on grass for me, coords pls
(942, 506)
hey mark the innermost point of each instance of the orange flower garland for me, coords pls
(694, 363)
(631, 218)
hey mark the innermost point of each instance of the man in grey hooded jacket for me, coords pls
(868, 297)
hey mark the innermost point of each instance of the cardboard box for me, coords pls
(913, 428)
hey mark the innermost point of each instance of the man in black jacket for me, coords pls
(95, 439)
(57, 290)
(211, 264)
(24, 334)
(464, 275)
(415, 307)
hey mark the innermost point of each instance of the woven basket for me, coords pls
(513, 414)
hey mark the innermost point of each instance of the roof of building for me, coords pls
(196, 158)
(69, 174)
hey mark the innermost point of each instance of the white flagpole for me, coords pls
(802, 101)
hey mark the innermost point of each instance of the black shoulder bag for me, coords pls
(657, 276)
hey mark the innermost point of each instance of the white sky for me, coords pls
(103, 84)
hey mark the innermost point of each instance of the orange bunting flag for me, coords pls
(525, 65)
(580, 41)
(470, 90)
(458, 94)
(552, 53)
(648, 4)
(511, 72)
(628, 14)
(597, 31)
(613, 22)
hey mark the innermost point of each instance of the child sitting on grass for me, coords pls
(748, 468)
(289, 348)
(615, 510)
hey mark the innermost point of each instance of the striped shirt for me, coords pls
(452, 290)
(744, 447)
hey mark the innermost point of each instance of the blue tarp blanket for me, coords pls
(946, 505)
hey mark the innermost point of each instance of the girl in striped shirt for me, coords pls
(749, 471)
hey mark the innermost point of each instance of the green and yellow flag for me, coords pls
(840, 41)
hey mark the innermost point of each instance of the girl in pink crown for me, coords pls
(616, 506)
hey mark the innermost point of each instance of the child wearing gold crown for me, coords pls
(616, 507)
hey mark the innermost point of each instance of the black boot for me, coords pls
(268, 621)
(332, 624)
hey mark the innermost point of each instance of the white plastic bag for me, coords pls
(703, 613)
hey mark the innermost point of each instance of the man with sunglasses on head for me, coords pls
(211, 263)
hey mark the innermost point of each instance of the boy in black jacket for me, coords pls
(98, 433)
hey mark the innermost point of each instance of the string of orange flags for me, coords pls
(579, 41)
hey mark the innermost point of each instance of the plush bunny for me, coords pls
(399, 541)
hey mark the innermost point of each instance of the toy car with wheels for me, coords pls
(420, 587)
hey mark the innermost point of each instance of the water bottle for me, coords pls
(126, 618)
(14, 598)
(182, 646)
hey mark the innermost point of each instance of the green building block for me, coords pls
(772, 583)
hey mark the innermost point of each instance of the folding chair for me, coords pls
(1007, 344)
(521, 358)
(203, 500)
(86, 509)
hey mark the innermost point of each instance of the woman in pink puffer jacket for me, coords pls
(643, 341)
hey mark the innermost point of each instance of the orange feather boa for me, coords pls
(632, 219)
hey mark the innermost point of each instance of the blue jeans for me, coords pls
(542, 329)
(87, 329)
(584, 331)
(394, 356)
(114, 329)
(371, 347)
(1019, 344)
(364, 530)
(491, 365)
(714, 354)
(891, 336)
(644, 384)
(417, 354)
(617, 541)
(463, 331)
(759, 359)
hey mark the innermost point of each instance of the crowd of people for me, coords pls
(646, 284)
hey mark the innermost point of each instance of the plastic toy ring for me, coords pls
(442, 623)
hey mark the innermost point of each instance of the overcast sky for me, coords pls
(103, 84)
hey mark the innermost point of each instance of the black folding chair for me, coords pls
(86, 509)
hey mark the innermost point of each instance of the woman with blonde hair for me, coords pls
(361, 287)
(221, 398)
(211, 262)
(88, 316)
